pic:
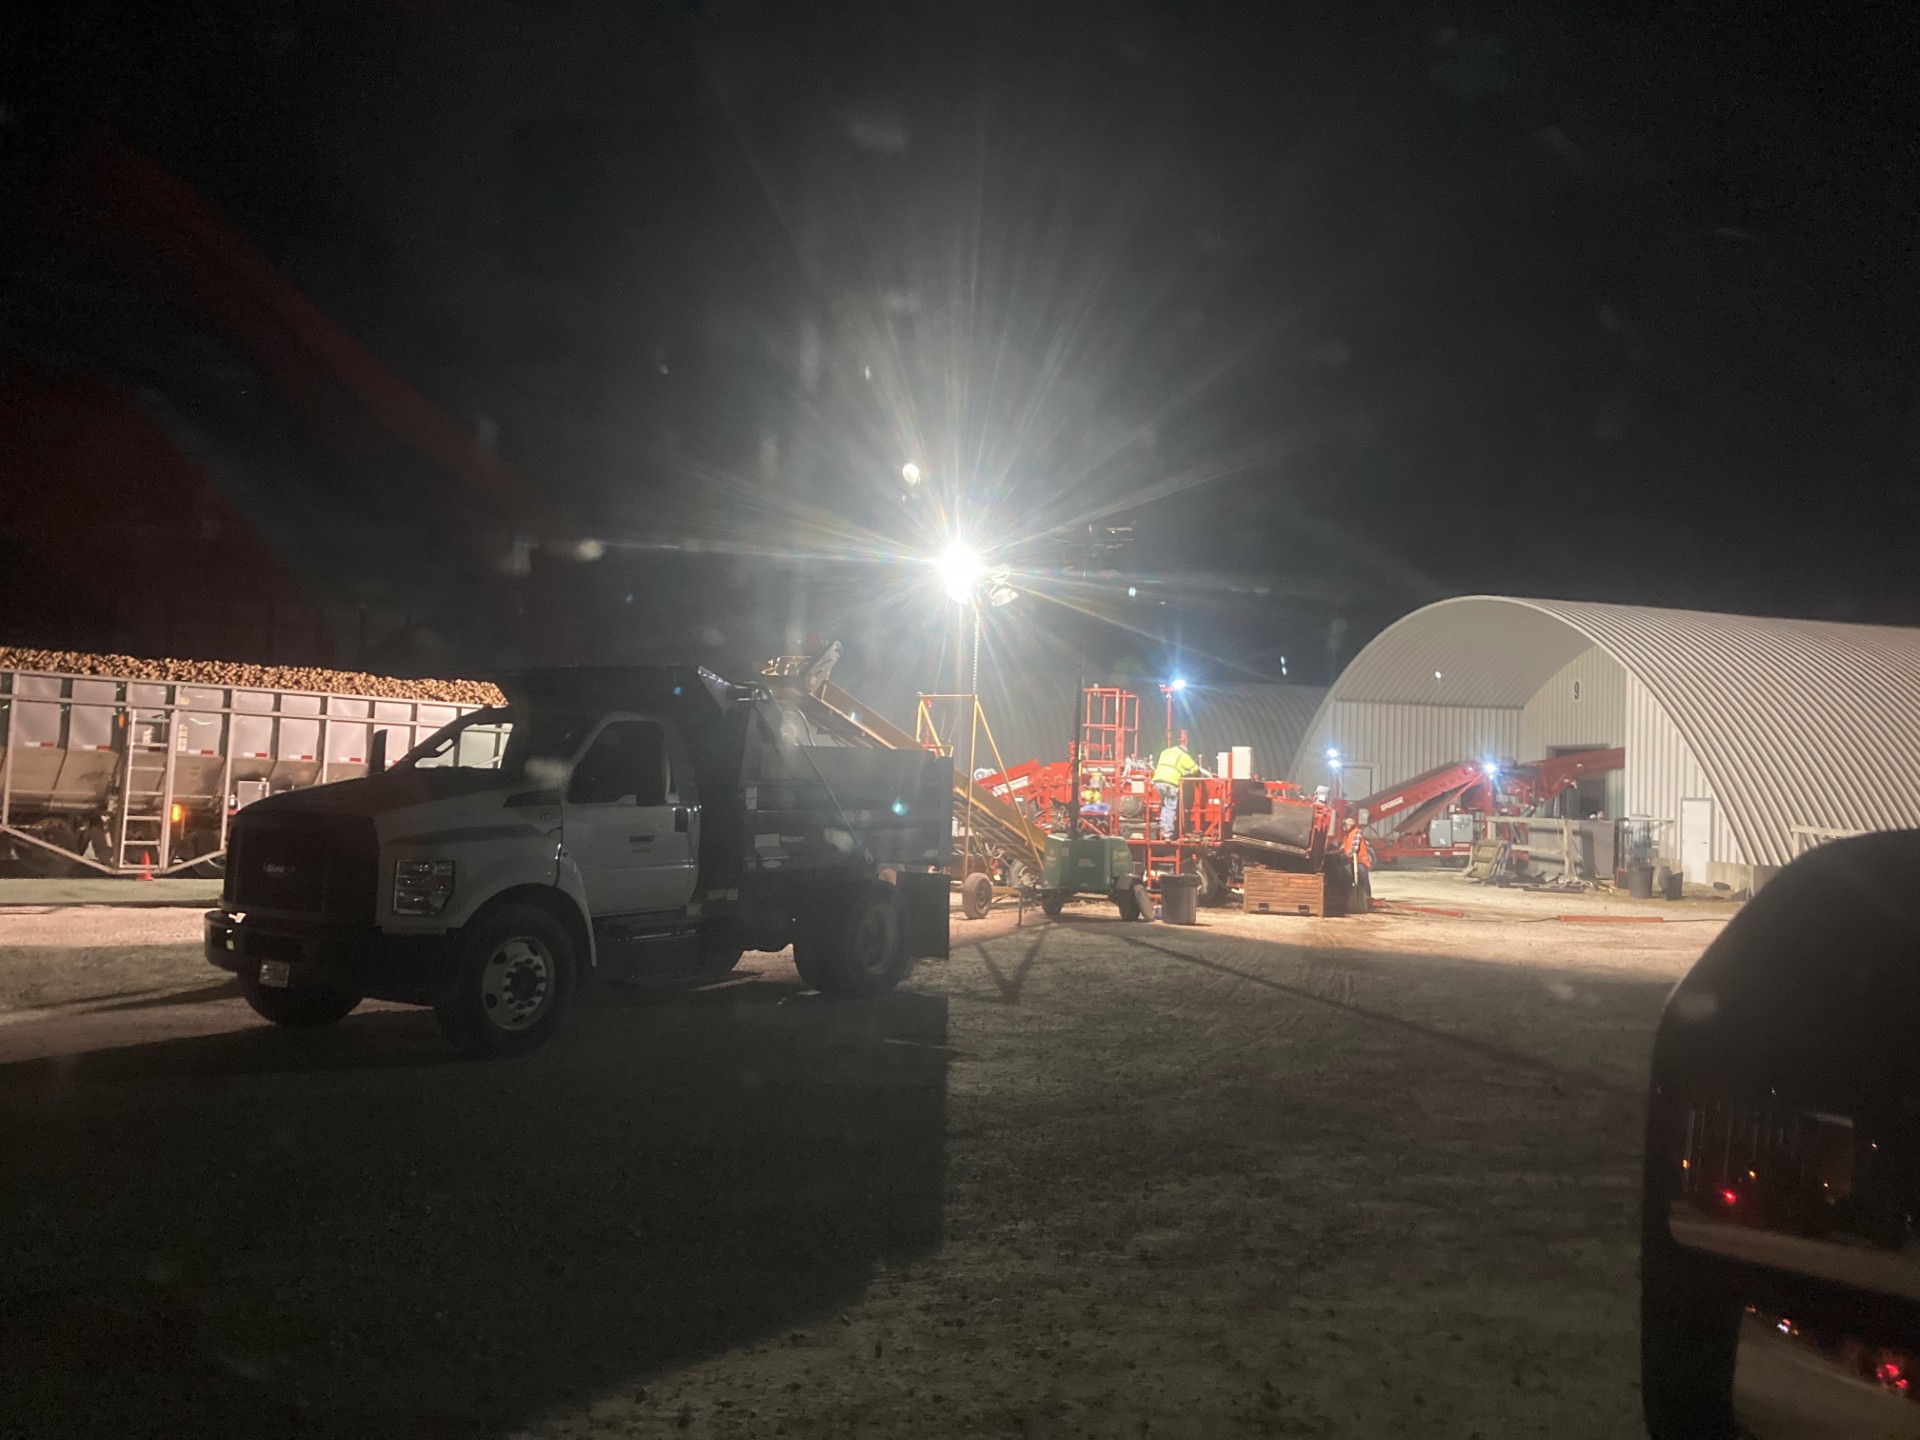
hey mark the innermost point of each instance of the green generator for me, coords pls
(1092, 865)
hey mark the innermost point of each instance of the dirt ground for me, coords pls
(1256, 1177)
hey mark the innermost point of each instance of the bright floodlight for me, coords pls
(1177, 684)
(1333, 755)
(1490, 766)
(960, 571)
(910, 473)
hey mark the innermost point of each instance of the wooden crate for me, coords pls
(1283, 892)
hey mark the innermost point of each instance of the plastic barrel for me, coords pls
(1180, 899)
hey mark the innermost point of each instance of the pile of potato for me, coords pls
(252, 677)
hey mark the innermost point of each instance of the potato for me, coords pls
(225, 673)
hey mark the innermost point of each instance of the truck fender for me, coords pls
(567, 881)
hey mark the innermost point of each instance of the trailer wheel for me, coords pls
(508, 984)
(295, 1009)
(976, 895)
(1053, 902)
(855, 943)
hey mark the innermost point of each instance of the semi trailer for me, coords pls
(115, 766)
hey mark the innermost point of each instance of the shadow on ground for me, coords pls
(347, 1233)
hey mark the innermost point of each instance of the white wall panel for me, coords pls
(1401, 741)
(1662, 770)
(1583, 703)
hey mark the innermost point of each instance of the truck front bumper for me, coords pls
(310, 955)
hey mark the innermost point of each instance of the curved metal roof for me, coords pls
(1795, 722)
(1273, 719)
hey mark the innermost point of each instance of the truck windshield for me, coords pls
(519, 744)
(478, 740)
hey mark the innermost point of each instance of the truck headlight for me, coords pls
(422, 887)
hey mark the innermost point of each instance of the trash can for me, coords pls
(1180, 899)
(1640, 882)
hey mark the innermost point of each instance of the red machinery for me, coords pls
(1224, 821)
(1438, 815)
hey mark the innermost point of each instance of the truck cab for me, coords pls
(603, 823)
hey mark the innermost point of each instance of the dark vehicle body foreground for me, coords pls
(1780, 1267)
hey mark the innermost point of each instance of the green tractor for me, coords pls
(1092, 865)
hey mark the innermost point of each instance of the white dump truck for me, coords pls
(602, 823)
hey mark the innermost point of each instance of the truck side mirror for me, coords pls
(377, 753)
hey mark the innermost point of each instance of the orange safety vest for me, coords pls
(1354, 844)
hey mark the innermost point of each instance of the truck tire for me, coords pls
(976, 896)
(855, 943)
(1053, 902)
(508, 983)
(1129, 904)
(295, 1009)
(720, 960)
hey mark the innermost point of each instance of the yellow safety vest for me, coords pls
(1174, 765)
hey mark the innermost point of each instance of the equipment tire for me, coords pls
(1053, 902)
(976, 895)
(1213, 886)
(508, 983)
(1129, 903)
(1142, 901)
(295, 1009)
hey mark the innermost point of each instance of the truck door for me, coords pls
(633, 844)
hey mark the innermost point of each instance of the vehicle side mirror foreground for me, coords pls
(1780, 1260)
(377, 752)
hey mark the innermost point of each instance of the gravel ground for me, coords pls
(1261, 1176)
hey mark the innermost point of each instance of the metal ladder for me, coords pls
(146, 792)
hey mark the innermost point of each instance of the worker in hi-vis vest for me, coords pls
(1353, 844)
(1173, 766)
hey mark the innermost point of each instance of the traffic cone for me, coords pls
(146, 865)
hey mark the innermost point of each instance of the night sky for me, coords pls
(1343, 308)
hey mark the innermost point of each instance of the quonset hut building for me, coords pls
(1746, 739)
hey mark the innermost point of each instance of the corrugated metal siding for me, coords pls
(1401, 741)
(1273, 719)
(1788, 722)
(1598, 717)
(1662, 771)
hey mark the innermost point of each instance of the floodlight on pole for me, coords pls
(961, 571)
(1169, 689)
(910, 473)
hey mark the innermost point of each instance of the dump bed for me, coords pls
(818, 805)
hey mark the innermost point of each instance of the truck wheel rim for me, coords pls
(874, 938)
(517, 983)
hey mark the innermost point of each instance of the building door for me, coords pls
(1696, 841)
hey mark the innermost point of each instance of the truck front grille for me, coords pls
(323, 866)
